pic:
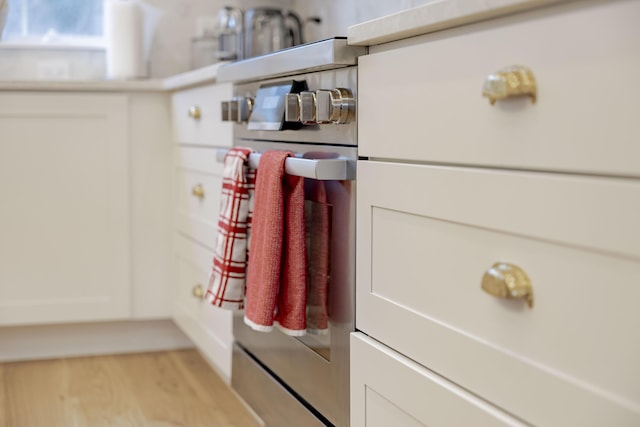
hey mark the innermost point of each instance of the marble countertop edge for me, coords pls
(435, 16)
(180, 81)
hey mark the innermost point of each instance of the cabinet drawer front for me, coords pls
(584, 118)
(388, 389)
(208, 327)
(208, 129)
(192, 269)
(199, 183)
(426, 236)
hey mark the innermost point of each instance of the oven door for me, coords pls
(315, 367)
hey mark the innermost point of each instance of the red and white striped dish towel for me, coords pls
(276, 274)
(227, 279)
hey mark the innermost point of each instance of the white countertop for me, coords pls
(434, 16)
(180, 81)
(206, 74)
(84, 85)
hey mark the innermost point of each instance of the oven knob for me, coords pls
(224, 108)
(335, 106)
(292, 108)
(237, 110)
(307, 107)
(244, 107)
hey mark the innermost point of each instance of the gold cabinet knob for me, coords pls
(504, 280)
(198, 291)
(198, 191)
(516, 80)
(194, 112)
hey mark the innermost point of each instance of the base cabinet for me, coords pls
(64, 215)
(197, 185)
(497, 242)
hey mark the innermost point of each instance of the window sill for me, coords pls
(70, 44)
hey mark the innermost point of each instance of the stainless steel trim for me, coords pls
(330, 134)
(316, 56)
(324, 169)
(268, 398)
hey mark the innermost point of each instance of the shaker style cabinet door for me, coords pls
(64, 208)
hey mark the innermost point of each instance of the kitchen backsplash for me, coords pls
(178, 24)
(338, 15)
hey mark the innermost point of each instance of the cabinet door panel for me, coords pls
(64, 218)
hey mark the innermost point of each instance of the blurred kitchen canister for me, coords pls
(128, 28)
(229, 32)
(4, 11)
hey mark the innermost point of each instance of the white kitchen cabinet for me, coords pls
(64, 221)
(197, 184)
(582, 121)
(460, 184)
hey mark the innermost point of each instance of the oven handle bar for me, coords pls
(321, 169)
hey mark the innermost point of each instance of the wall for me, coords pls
(177, 24)
(170, 52)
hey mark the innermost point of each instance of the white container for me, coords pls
(124, 37)
(4, 10)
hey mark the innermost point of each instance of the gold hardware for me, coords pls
(508, 281)
(194, 112)
(198, 291)
(198, 191)
(516, 80)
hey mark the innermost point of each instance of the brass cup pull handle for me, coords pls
(198, 191)
(504, 280)
(194, 112)
(198, 291)
(508, 82)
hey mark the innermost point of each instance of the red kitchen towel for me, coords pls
(276, 274)
(227, 279)
(318, 221)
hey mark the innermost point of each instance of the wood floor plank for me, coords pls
(212, 392)
(3, 404)
(161, 392)
(37, 394)
(164, 389)
(101, 394)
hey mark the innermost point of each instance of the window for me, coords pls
(39, 20)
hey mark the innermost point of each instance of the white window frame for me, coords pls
(60, 41)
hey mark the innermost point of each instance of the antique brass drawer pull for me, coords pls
(516, 80)
(508, 281)
(198, 291)
(194, 112)
(198, 191)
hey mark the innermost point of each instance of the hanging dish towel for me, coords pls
(318, 231)
(227, 279)
(276, 274)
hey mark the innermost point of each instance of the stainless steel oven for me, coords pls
(303, 381)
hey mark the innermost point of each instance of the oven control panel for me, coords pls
(321, 106)
(289, 105)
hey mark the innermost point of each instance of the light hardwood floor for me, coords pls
(175, 388)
